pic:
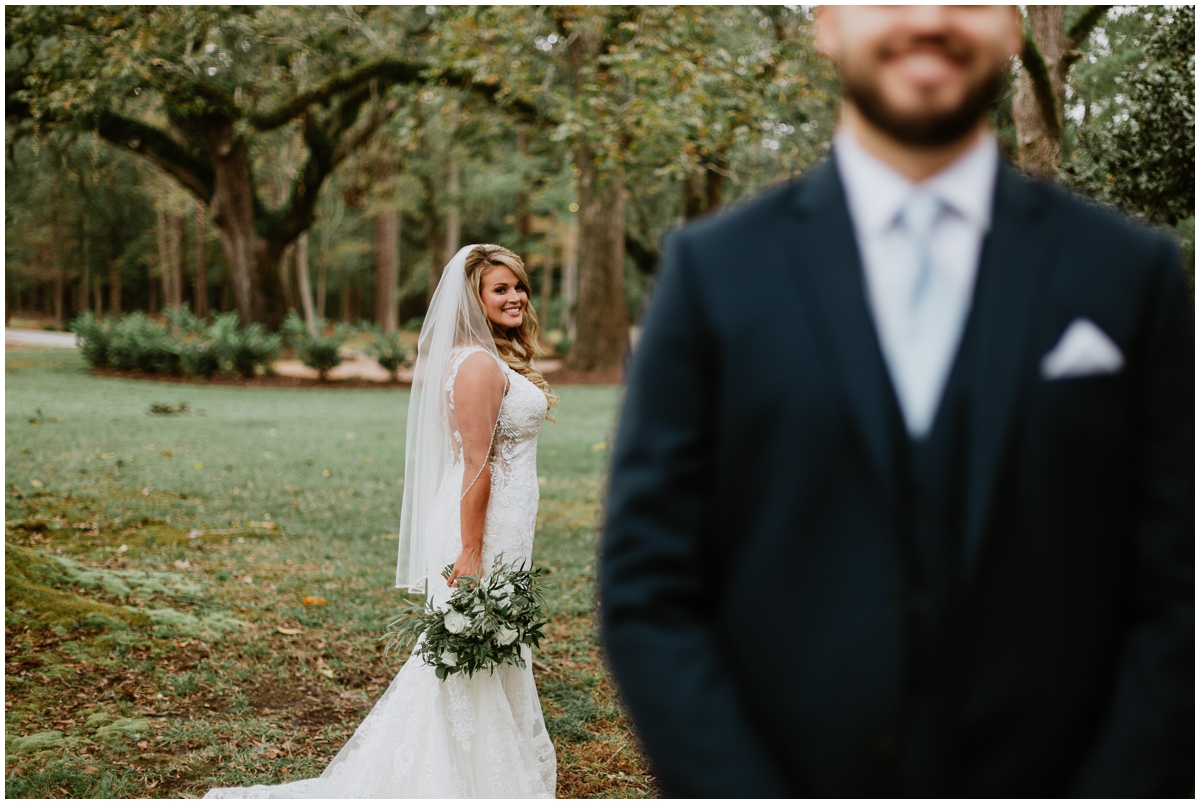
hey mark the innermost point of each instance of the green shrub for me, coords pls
(201, 358)
(386, 349)
(243, 350)
(317, 351)
(183, 322)
(92, 335)
(185, 342)
(136, 342)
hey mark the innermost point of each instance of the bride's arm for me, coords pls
(478, 391)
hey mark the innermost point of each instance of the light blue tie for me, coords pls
(919, 218)
(920, 352)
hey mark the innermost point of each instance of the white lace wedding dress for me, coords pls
(479, 737)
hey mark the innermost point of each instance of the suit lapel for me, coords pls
(1010, 291)
(832, 286)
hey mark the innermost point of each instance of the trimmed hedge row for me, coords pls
(187, 344)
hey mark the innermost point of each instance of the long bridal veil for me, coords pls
(454, 320)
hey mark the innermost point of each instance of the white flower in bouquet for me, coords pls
(455, 622)
(505, 636)
(449, 658)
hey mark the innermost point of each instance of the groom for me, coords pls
(902, 497)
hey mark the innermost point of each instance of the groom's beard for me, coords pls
(922, 129)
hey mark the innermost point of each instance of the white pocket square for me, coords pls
(1083, 350)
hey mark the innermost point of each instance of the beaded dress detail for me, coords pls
(478, 737)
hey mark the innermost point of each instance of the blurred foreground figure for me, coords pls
(902, 498)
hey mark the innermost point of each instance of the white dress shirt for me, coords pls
(919, 353)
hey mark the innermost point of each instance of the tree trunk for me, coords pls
(201, 274)
(387, 268)
(232, 209)
(98, 298)
(286, 268)
(570, 283)
(693, 202)
(175, 246)
(321, 284)
(85, 280)
(114, 285)
(57, 262)
(698, 200)
(523, 223)
(714, 183)
(601, 320)
(434, 241)
(547, 273)
(601, 314)
(302, 282)
(453, 221)
(164, 257)
(1039, 129)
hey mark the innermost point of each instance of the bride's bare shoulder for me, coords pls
(481, 370)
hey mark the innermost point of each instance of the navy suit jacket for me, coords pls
(753, 581)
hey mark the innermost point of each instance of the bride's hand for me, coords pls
(467, 563)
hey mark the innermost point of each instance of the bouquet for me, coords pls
(483, 624)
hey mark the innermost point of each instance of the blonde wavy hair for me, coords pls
(517, 345)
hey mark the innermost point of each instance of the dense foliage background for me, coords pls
(330, 159)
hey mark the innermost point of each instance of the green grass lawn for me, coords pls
(158, 637)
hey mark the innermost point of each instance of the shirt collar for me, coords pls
(876, 192)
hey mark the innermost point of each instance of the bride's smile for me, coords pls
(504, 297)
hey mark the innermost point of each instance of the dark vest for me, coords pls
(931, 525)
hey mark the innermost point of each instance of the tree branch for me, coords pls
(193, 172)
(1039, 77)
(202, 88)
(645, 259)
(390, 70)
(1084, 25)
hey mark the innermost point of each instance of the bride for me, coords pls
(470, 493)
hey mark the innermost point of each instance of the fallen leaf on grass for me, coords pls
(37, 484)
(314, 600)
(90, 770)
(283, 629)
(183, 565)
(143, 744)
